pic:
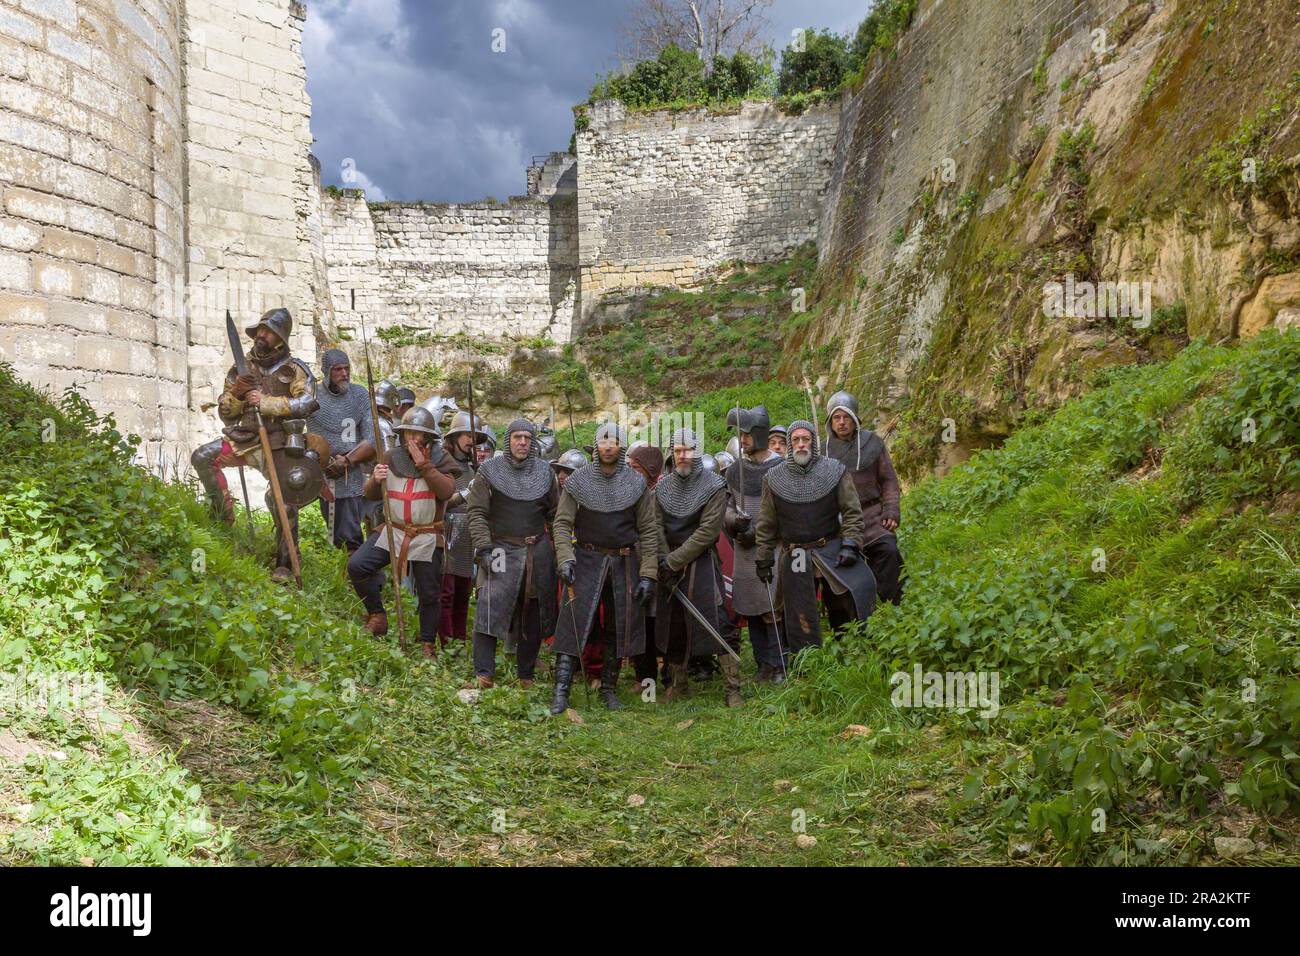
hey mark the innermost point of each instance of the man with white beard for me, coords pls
(810, 512)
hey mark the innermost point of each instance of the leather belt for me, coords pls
(595, 547)
(814, 545)
(528, 542)
(409, 533)
(521, 542)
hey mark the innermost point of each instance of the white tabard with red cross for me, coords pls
(411, 501)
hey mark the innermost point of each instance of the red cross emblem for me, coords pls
(407, 495)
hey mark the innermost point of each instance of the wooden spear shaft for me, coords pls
(383, 485)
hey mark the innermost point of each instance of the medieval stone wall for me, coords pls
(478, 268)
(665, 197)
(252, 188)
(92, 188)
(155, 170)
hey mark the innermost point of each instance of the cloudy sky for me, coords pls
(410, 101)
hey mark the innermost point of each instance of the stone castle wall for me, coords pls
(664, 197)
(155, 170)
(252, 187)
(92, 182)
(478, 268)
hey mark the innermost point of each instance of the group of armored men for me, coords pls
(621, 552)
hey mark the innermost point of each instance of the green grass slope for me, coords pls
(243, 723)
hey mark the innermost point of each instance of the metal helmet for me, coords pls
(844, 400)
(546, 445)
(710, 463)
(755, 421)
(571, 460)
(489, 436)
(777, 430)
(419, 419)
(460, 425)
(386, 395)
(278, 321)
(405, 396)
(724, 460)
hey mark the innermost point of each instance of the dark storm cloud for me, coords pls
(410, 101)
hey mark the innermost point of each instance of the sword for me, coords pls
(776, 629)
(699, 617)
(332, 503)
(241, 367)
(582, 644)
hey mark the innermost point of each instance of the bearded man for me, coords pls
(511, 501)
(864, 454)
(282, 388)
(606, 540)
(690, 503)
(810, 513)
(343, 420)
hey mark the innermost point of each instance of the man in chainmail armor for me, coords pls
(606, 542)
(511, 501)
(343, 420)
(750, 597)
(810, 514)
(690, 503)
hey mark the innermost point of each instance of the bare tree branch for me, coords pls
(730, 26)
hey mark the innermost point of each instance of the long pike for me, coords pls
(383, 485)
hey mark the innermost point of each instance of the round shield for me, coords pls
(300, 479)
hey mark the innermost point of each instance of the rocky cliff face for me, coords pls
(1008, 147)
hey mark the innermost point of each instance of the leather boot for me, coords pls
(564, 665)
(679, 682)
(731, 680)
(377, 623)
(609, 678)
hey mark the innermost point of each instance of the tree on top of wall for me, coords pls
(677, 77)
(709, 28)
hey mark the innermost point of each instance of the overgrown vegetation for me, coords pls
(1248, 161)
(813, 67)
(254, 724)
(1131, 570)
(678, 79)
(678, 344)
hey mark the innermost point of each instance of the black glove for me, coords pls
(666, 574)
(567, 570)
(746, 538)
(847, 556)
(764, 569)
(742, 522)
(483, 557)
(644, 589)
